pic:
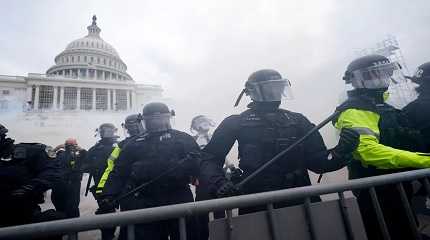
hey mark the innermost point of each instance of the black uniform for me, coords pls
(148, 156)
(418, 114)
(96, 164)
(26, 172)
(263, 131)
(66, 194)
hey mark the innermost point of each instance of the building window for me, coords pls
(5, 92)
(101, 99)
(79, 58)
(121, 99)
(92, 44)
(98, 60)
(46, 96)
(104, 61)
(86, 98)
(70, 98)
(86, 44)
(92, 59)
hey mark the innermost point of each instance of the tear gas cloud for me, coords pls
(202, 52)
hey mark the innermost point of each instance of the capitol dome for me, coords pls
(90, 57)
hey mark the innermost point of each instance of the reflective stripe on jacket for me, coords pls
(110, 164)
(370, 152)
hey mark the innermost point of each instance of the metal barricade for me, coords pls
(180, 211)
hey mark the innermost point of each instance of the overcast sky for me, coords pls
(202, 52)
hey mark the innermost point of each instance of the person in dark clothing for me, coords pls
(386, 145)
(66, 194)
(418, 111)
(96, 163)
(418, 115)
(263, 131)
(151, 154)
(26, 172)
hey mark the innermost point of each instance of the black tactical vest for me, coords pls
(262, 135)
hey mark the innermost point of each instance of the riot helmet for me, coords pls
(422, 77)
(133, 124)
(373, 72)
(266, 86)
(156, 117)
(107, 131)
(201, 124)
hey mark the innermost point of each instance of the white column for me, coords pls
(54, 103)
(61, 98)
(104, 75)
(114, 100)
(88, 74)
(128, 100)
(36, 99)
(28, 93)
(94, 99)
(109, 107)
(134, 101)
(79, 73)
(78, 98)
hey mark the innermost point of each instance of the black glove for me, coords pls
(23, 193)
(228, 189)
(348, 142)
(106, 205)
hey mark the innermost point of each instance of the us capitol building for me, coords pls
(88, 75)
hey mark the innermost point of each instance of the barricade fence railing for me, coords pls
(179, 211)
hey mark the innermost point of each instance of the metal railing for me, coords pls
(180, 211)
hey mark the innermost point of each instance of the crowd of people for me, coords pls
(156, 164)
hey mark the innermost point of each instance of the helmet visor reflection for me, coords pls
(270, 91)
(374, 77)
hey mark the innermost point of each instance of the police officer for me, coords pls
(134, 127)
(96, 164)
(263, 131)
(66, 194)
(418, 111)
(26, 172)
(384, 138)
(148, 156)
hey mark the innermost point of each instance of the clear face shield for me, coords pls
(107, 132)
(157, 122)
(377, 77)
(133, 128)
(270, 91)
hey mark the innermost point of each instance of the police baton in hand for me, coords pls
(291, 147)
(157, 178)
(87, 189)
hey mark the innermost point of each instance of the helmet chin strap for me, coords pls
(239, 97)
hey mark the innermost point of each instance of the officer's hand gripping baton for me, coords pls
(291, 147)
(155, 179)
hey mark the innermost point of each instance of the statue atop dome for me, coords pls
(93, 29)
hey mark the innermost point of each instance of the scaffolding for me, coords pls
(401, 93)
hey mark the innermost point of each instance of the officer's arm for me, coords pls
(114, 155)
(315, 150)
(120, 173)
(370, 151)
(47, 170)
(211, 172)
